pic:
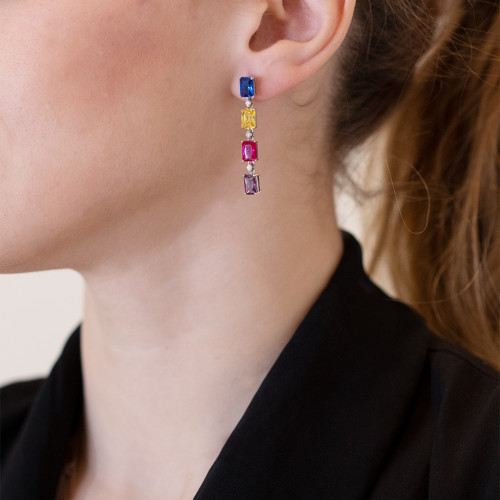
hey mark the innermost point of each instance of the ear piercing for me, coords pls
(249, 152)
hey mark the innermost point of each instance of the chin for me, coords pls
(23, 252)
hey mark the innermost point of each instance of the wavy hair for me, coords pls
(425, 76)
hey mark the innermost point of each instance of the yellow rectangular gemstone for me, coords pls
(248, 118)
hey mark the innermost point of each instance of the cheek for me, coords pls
(74, 78)
(108, 59)
(74, 111)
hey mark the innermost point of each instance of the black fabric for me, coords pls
(363, 402)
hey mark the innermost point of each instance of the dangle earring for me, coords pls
(249, 147)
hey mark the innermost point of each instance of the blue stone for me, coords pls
(247, 87)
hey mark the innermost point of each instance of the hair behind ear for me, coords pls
(436, 87)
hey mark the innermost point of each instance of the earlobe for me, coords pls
(294, 39)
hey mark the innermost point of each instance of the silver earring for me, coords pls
(249, 152)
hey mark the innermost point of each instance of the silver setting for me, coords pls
(249, 133)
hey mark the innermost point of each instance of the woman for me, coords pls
(231, 345)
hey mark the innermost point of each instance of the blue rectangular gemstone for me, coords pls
(247, 87)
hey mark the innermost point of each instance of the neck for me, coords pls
(175, 343)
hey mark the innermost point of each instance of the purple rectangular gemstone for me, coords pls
(252, 183)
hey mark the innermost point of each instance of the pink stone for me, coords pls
(249, 150)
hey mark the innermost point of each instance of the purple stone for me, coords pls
(252, 183)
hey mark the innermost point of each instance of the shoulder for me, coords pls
(450, 435)
(463, 386)
(16, 400)
(454, 412)
(464, 391)
(464, 401)
(460, 381)
(453, 364)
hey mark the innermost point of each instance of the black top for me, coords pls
(363, 402)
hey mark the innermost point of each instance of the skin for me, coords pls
(119, 158)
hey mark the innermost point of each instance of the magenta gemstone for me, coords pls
(249, 150)
(252, 183)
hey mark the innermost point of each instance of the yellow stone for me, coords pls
(248, 118)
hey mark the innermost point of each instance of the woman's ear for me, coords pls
(286, 41)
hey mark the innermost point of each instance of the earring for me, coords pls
(249, 152)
